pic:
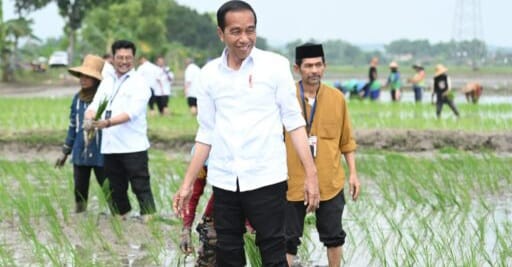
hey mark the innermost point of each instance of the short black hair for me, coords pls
(119, 44)
(233, 5)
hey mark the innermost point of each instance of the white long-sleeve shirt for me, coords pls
(191, 74)
(241, 114)
(126, 94)
(166, 78)
(151, 74)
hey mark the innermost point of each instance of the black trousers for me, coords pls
(82, 177)
(328, 223)
(162, 101)
(152, 100)
(265, 210)
(126, 169)
(441, 100)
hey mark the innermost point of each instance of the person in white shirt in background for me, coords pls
(166, 78)
(125, 142)
(108, 69)
(244, 98)
(191, 73)
(151, 74)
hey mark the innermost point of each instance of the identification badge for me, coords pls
(108, 114)
(312, 145)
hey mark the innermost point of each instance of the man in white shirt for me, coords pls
(166, 78)
(151, 74)
(244, 98)
(191, 73)
(108, 69)
(125, 142)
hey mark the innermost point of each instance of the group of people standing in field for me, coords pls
(442, 90)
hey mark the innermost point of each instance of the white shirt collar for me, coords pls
(124, 76)
(248, 60)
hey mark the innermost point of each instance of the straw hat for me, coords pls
(91, 67)
(440, 69)
(470, 87)
(417, 66)
(393, 64)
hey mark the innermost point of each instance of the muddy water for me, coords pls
(358, 252)
(135, 249)
(408, 97)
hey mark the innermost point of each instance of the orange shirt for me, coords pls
(331, 125)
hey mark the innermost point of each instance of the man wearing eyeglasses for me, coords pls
(125, 143)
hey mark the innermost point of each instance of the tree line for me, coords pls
(163, 27)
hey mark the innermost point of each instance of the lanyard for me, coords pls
(117, 89)
(309, 123)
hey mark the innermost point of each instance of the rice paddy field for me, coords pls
(439, 207)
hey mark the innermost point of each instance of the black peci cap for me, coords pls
(308, 50)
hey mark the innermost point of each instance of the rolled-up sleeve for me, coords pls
(285, 96)
(205, 109)
(347, 141)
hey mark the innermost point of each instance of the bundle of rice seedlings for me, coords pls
(90, 134)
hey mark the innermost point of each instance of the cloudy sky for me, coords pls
(357, 21)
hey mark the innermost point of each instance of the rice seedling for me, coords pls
(445, 208)
(45, 120)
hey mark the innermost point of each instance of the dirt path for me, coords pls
(392, 140)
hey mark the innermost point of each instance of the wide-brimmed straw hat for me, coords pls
(393, 64)
(440, 69)
(417, 66)
(91, 66)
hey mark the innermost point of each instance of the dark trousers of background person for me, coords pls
(418, 93)
(152, 100)
(126, 169)
(162, 101)
(365, 92)
(441, 100)
(395, 95)
(82, 177)
(265, 210)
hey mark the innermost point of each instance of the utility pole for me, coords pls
(468, 33)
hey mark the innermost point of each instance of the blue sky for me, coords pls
(356, 21)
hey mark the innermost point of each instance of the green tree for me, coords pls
(192, 29)
(139, 21)
(13, 30)
(18, 28)
(72, 11)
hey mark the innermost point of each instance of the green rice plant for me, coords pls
(305, 251)
(252, 253)
(442, 208)
(455, 199)
(379, 115)
(45, 120)
(6, 258)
